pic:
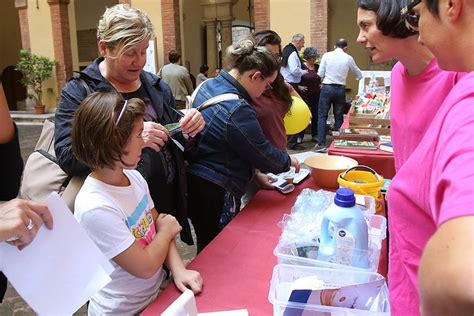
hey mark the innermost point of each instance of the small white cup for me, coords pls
(289, 176)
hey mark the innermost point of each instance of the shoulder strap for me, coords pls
(78, 75)
(212, 101)
(217, 99)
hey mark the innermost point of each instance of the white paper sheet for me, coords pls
(305, 154)
(237, 312)
(61, 269)
(185, 304)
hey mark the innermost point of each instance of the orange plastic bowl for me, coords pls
(325, 169)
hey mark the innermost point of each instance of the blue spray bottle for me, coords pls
(344, 232)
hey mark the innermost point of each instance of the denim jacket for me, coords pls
(162, 99)
(232, 144)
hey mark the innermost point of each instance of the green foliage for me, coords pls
(35, 69)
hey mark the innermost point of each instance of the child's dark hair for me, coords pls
(98, 135)
(245, 55)
(389, 19)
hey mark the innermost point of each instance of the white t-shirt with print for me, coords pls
(114, 217)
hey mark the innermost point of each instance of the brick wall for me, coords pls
(319, 25)
(261, 14)
(171, 26)
(61, 40)
(22, 6)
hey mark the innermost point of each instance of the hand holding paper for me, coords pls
(61, 265)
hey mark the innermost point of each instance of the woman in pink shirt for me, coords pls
(418, 88)
(445, 195)
(418, 85)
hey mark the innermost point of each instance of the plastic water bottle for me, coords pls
(344, 232)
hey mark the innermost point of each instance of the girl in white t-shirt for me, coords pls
(115, 207)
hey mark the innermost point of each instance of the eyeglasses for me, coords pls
(268, 86)
(410, 17)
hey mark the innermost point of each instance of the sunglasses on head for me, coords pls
(410, 17)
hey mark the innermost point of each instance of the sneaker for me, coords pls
(320, 148)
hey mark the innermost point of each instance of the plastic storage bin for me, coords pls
(291, 254)
(284, 275)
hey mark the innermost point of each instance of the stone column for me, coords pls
(211, 45)
(226, 33)
(62, 40)
(214, 11)
(22, 7)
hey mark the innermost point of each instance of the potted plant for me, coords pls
(35, 69)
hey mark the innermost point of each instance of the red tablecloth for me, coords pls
(381, 161)
(237, 265)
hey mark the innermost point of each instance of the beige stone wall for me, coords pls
(240, 10)
(192, 31)
(288, 17)
(84, 16)
(153, 9)
(41, 37)
(90, 12)
(343, 23)
(73, 34)
(9, 35)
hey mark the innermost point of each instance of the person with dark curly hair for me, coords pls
(310, 86)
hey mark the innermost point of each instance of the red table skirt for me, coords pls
(237, 265)
(381, 161)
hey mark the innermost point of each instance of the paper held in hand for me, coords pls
(61, 269)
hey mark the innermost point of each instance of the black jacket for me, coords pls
(11, 168)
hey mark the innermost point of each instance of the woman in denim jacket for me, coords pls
(232, 144)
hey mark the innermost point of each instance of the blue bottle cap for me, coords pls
(344, 197)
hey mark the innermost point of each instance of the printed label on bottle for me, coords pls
(345, 244)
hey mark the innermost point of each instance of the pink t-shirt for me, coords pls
(414, 102)
(433, 186)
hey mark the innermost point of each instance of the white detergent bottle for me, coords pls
(344, 232)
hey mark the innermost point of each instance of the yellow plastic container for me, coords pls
(363, 180)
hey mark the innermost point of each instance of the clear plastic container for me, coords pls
(307, 254)
(284, 276)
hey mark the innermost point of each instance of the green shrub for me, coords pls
(35, 69)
